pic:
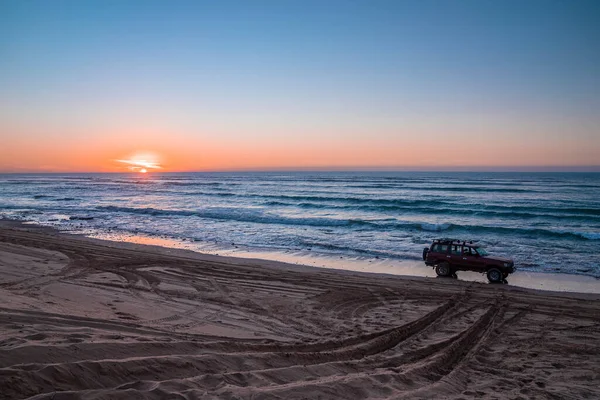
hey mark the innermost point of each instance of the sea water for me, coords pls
(547, 222)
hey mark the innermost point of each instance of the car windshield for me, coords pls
(482, 252)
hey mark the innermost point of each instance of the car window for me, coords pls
(467, 251)
(482, 252)
(439, 248)
(456, 249)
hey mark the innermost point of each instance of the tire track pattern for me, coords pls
(332, 336)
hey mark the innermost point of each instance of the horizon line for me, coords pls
(539, 168)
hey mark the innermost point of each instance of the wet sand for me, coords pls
(533, 280)
(91, 319)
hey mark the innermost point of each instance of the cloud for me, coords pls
(137, 164)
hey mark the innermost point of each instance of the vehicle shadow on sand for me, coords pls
(454, 276)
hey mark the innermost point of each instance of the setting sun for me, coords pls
(141, 162)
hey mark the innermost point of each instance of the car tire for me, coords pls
(425, 251)
(443, 269)
(494, 275)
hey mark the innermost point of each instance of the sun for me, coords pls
(141, 162)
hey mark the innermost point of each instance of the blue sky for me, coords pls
(330, 73)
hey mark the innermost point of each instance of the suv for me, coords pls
(450, 255)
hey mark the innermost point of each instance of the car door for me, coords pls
(469, 258)
(440, 252)
(455, 256)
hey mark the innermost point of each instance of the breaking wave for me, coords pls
(380, 224)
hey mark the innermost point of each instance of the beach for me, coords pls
(92, 319)
(379, 219)
(299, 200)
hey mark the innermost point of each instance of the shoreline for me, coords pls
(544, 281)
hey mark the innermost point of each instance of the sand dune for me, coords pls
(86, 319)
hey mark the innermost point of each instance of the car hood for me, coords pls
(499, 259)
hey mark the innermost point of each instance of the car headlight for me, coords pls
(507, 265)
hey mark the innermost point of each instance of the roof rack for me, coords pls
(454, 241)
(446, 240)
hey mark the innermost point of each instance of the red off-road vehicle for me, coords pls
(450, 255)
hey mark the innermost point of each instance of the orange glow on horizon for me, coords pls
(170, 151)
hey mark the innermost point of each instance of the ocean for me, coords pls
(547, 222)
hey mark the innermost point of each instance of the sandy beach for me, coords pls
(90, 319)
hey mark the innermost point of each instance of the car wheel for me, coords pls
(443, 269)
(494, 275)
(425, 251)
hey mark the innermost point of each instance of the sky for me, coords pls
(233, 85)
